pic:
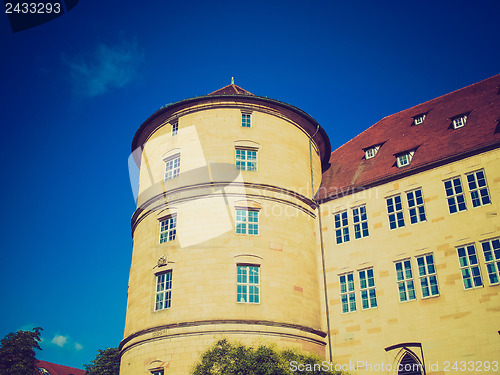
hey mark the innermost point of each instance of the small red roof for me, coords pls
(231, 89)
(435, 141)
(54, 369)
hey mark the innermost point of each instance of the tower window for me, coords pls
(175, 128)
(246, 160)
(247, 221)
(428, 277)
(168, 229)
(459, 121)
(163, 294)
(469, 266)
(246, 120)
(247, 284)
(347, 295)
(172, 167)
(367, 288)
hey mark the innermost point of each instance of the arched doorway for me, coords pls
(409, 365)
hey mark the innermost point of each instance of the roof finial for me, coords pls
(232, 80)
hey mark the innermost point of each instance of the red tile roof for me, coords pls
(231, 89)
(435, 140)
(55, 369)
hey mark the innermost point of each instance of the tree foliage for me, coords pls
(17, 353)
(106, 362)
(225, 358)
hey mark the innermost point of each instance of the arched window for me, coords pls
(409, 365)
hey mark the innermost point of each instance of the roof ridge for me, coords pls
(238, 90)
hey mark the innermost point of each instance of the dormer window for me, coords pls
(459, 121)
(371, 152)
(417, 120)
(404, 159)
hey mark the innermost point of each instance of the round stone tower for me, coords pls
(223, 234)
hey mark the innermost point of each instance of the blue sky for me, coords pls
(75, 90)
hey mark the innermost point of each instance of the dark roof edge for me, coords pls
(328, 148)
(349, 190)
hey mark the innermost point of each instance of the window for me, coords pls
(347, 295)
(246, 160)
(491, 251)
(455, 195)
(417, 120)
(395, 211)
(404, 276)
(175, 128)
(404, 159)
(459, 121)
(371, 152)
(157, 372)
(367, 288)
(478, 189)
(469, 266)
(246, 120)
(341, 227)
(247, 284)
(247, 221)
(172, 167)
(416, 206)
(360, 222)
(163, 295)
(168, 229)
(428, 277)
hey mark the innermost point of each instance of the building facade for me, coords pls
(380, 254)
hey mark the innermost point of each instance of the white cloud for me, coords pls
(105, 68)
(78, 346)
(59, 340)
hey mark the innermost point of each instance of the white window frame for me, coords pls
(175, 128)
(246, 119)
(491, 253)
(247, 221)
(459, 122)
(405, 283)
(455, 195)
(172, 167)
(478, 188)
(360, 220)
(163, 290)
(248, 283)
(347, 293)
(168, 228)
(157, 372)
(246, 159)
(341, 222)
(404, 159)
(427, 275)
(470, 268)
(371, 152)
(416, 207)
(395, 211)
(367, 290)
(418, 120)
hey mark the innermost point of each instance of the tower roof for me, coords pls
(231, 89)
(434, 140)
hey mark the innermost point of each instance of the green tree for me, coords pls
(225, 358)
(17, 353)
(106, 362)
